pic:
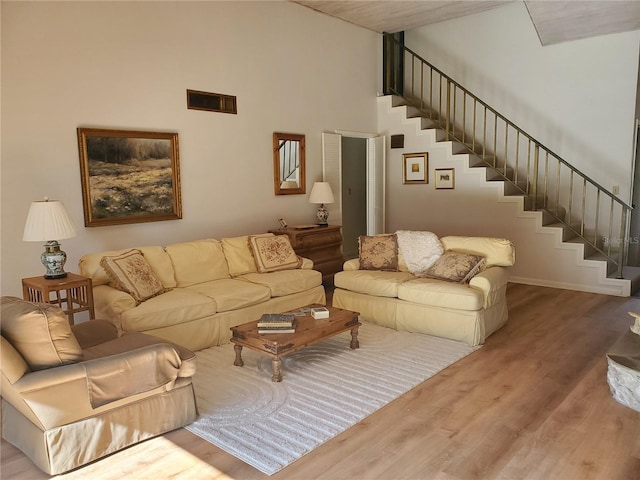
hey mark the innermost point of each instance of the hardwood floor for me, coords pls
(532, 404)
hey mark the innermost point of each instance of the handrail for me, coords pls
(575, 208)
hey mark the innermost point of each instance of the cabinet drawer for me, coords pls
(318, 239)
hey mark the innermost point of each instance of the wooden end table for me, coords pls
(308, 330)
(73, 293)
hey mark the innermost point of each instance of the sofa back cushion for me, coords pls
(40, 332)
(156, 256)
(198, 261)
(498, 252)
(238, 254)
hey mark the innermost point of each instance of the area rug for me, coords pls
(326, 388)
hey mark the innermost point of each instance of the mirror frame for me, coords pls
(277, 181)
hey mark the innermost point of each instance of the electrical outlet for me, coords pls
(616, 190)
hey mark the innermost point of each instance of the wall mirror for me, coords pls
(288, 164)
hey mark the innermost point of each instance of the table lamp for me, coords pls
(321, 193)
(48, 220)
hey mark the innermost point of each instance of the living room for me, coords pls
(127, 65)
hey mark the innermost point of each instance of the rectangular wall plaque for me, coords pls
(211, 102)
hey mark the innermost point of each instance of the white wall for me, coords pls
(577, 98)
(127, 65)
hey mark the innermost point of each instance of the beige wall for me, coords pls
(127, 65)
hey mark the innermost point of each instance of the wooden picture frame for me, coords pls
(129, 176)
(445, 178)
(415, 168)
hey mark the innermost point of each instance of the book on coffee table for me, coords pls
(276, 320)
(276, 330)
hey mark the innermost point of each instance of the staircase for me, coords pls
(584, 214)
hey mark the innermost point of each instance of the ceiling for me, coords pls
(555, 21)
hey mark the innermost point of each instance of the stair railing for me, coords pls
(548, 182)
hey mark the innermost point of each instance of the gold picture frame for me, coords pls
(445, 178)
(129, 176)
(415, 168)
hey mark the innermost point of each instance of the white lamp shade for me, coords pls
(321, 193)
(48, 220)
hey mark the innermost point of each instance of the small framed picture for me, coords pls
(415, 167)
(445, 178)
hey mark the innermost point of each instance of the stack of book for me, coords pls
(277, 323)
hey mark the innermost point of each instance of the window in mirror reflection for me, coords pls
(289, 163)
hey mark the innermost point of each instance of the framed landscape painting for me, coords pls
(129, 176)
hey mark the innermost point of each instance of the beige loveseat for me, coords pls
(467, 311)
(207, 286)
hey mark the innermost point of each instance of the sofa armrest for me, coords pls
(307, 264)
(110, 303)
(493, 283)
(61, 395)
(94, 332)
(353, 264)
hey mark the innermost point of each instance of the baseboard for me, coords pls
(615, 290)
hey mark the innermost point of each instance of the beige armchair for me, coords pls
(71, 395)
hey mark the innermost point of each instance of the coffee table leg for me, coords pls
(238, 361)
(354, 337)
(276, 364)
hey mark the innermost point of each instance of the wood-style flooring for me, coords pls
(533, 403)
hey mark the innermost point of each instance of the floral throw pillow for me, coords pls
(131, 273)
(273, 253)
(379, 252)
(455, 266)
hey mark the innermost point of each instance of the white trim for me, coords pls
(349, 133)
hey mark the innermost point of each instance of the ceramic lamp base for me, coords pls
(322, 215)
(53, 260)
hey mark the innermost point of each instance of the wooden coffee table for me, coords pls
(308, 330)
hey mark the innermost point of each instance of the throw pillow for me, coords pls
(419, 250)
(131, 273)
(40, 332)
(379, 252)
(273, 253)
(455, 266)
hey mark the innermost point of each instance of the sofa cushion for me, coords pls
(232, 294)
(40, 332)
(285, 282)
(498, 252)
(130, 272)
(238, 254)
(455, 266)
(436, 293)
(156, 256)
(174, 307)
(273, 253)
(198, 261)
(371, 282)
(378, 252)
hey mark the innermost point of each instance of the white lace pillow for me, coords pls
(420, 250)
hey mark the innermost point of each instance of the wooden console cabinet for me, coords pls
(323, 245)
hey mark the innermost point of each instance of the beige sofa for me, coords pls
(467, 312)
(207, 287)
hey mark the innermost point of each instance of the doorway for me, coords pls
(354, 194)
(353, 164)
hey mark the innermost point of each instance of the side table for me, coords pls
(323, 245)
(73, 293)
